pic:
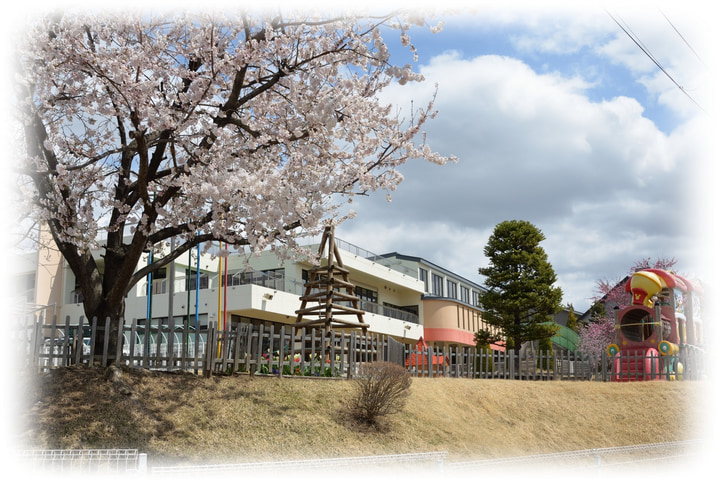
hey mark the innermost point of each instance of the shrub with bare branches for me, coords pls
(382, 389)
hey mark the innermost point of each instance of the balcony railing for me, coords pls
(378, 309)
(275, 281)
(278, 282)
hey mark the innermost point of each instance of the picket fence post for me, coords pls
(320, 353)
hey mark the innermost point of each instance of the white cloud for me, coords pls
(603, 182)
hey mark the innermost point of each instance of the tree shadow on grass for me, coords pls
(91, 408)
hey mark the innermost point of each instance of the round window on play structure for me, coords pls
(637, 325)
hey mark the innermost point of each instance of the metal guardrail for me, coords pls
(86, 460)
(371, 461)
(129, 460)
(590, 458)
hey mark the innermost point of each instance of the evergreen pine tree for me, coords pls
(520, 295)
(572, 320)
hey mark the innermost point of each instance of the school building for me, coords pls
(402, 296)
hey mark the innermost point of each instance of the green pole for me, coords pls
(187, 316)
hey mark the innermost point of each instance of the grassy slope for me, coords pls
(176, 417)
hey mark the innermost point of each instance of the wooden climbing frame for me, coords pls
(326, 288)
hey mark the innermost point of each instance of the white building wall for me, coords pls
(260, 302)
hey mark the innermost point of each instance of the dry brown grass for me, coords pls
(182, 417)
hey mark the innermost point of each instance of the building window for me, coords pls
(366, 294)
(77, 294)
(437, 285)
(191, 280)
(465, 294)
(269, 278)
(159, 286)
(423, 274)
(476, 298)
(368, 299)
(452, 289)
(159, 281)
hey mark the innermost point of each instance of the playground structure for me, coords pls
(418, 361)
(663, 319)
(324, 287)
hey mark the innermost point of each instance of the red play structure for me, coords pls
(664, 317)
(420, 363)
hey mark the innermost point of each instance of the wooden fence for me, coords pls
(285, 351)
(248, 348)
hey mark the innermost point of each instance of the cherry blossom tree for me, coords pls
(596, 336)
(247, 130)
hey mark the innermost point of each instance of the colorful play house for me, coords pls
(664, 317)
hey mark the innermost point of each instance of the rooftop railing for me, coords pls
(389, 262)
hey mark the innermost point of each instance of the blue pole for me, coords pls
(197, 293)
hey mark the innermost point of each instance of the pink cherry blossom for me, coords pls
(248, 130)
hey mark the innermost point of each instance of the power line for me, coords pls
(683, 38)
(637, 42)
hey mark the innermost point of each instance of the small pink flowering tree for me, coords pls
(596, 336)
(247, 130)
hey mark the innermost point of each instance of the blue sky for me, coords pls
(559, 118)
(549, 47)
